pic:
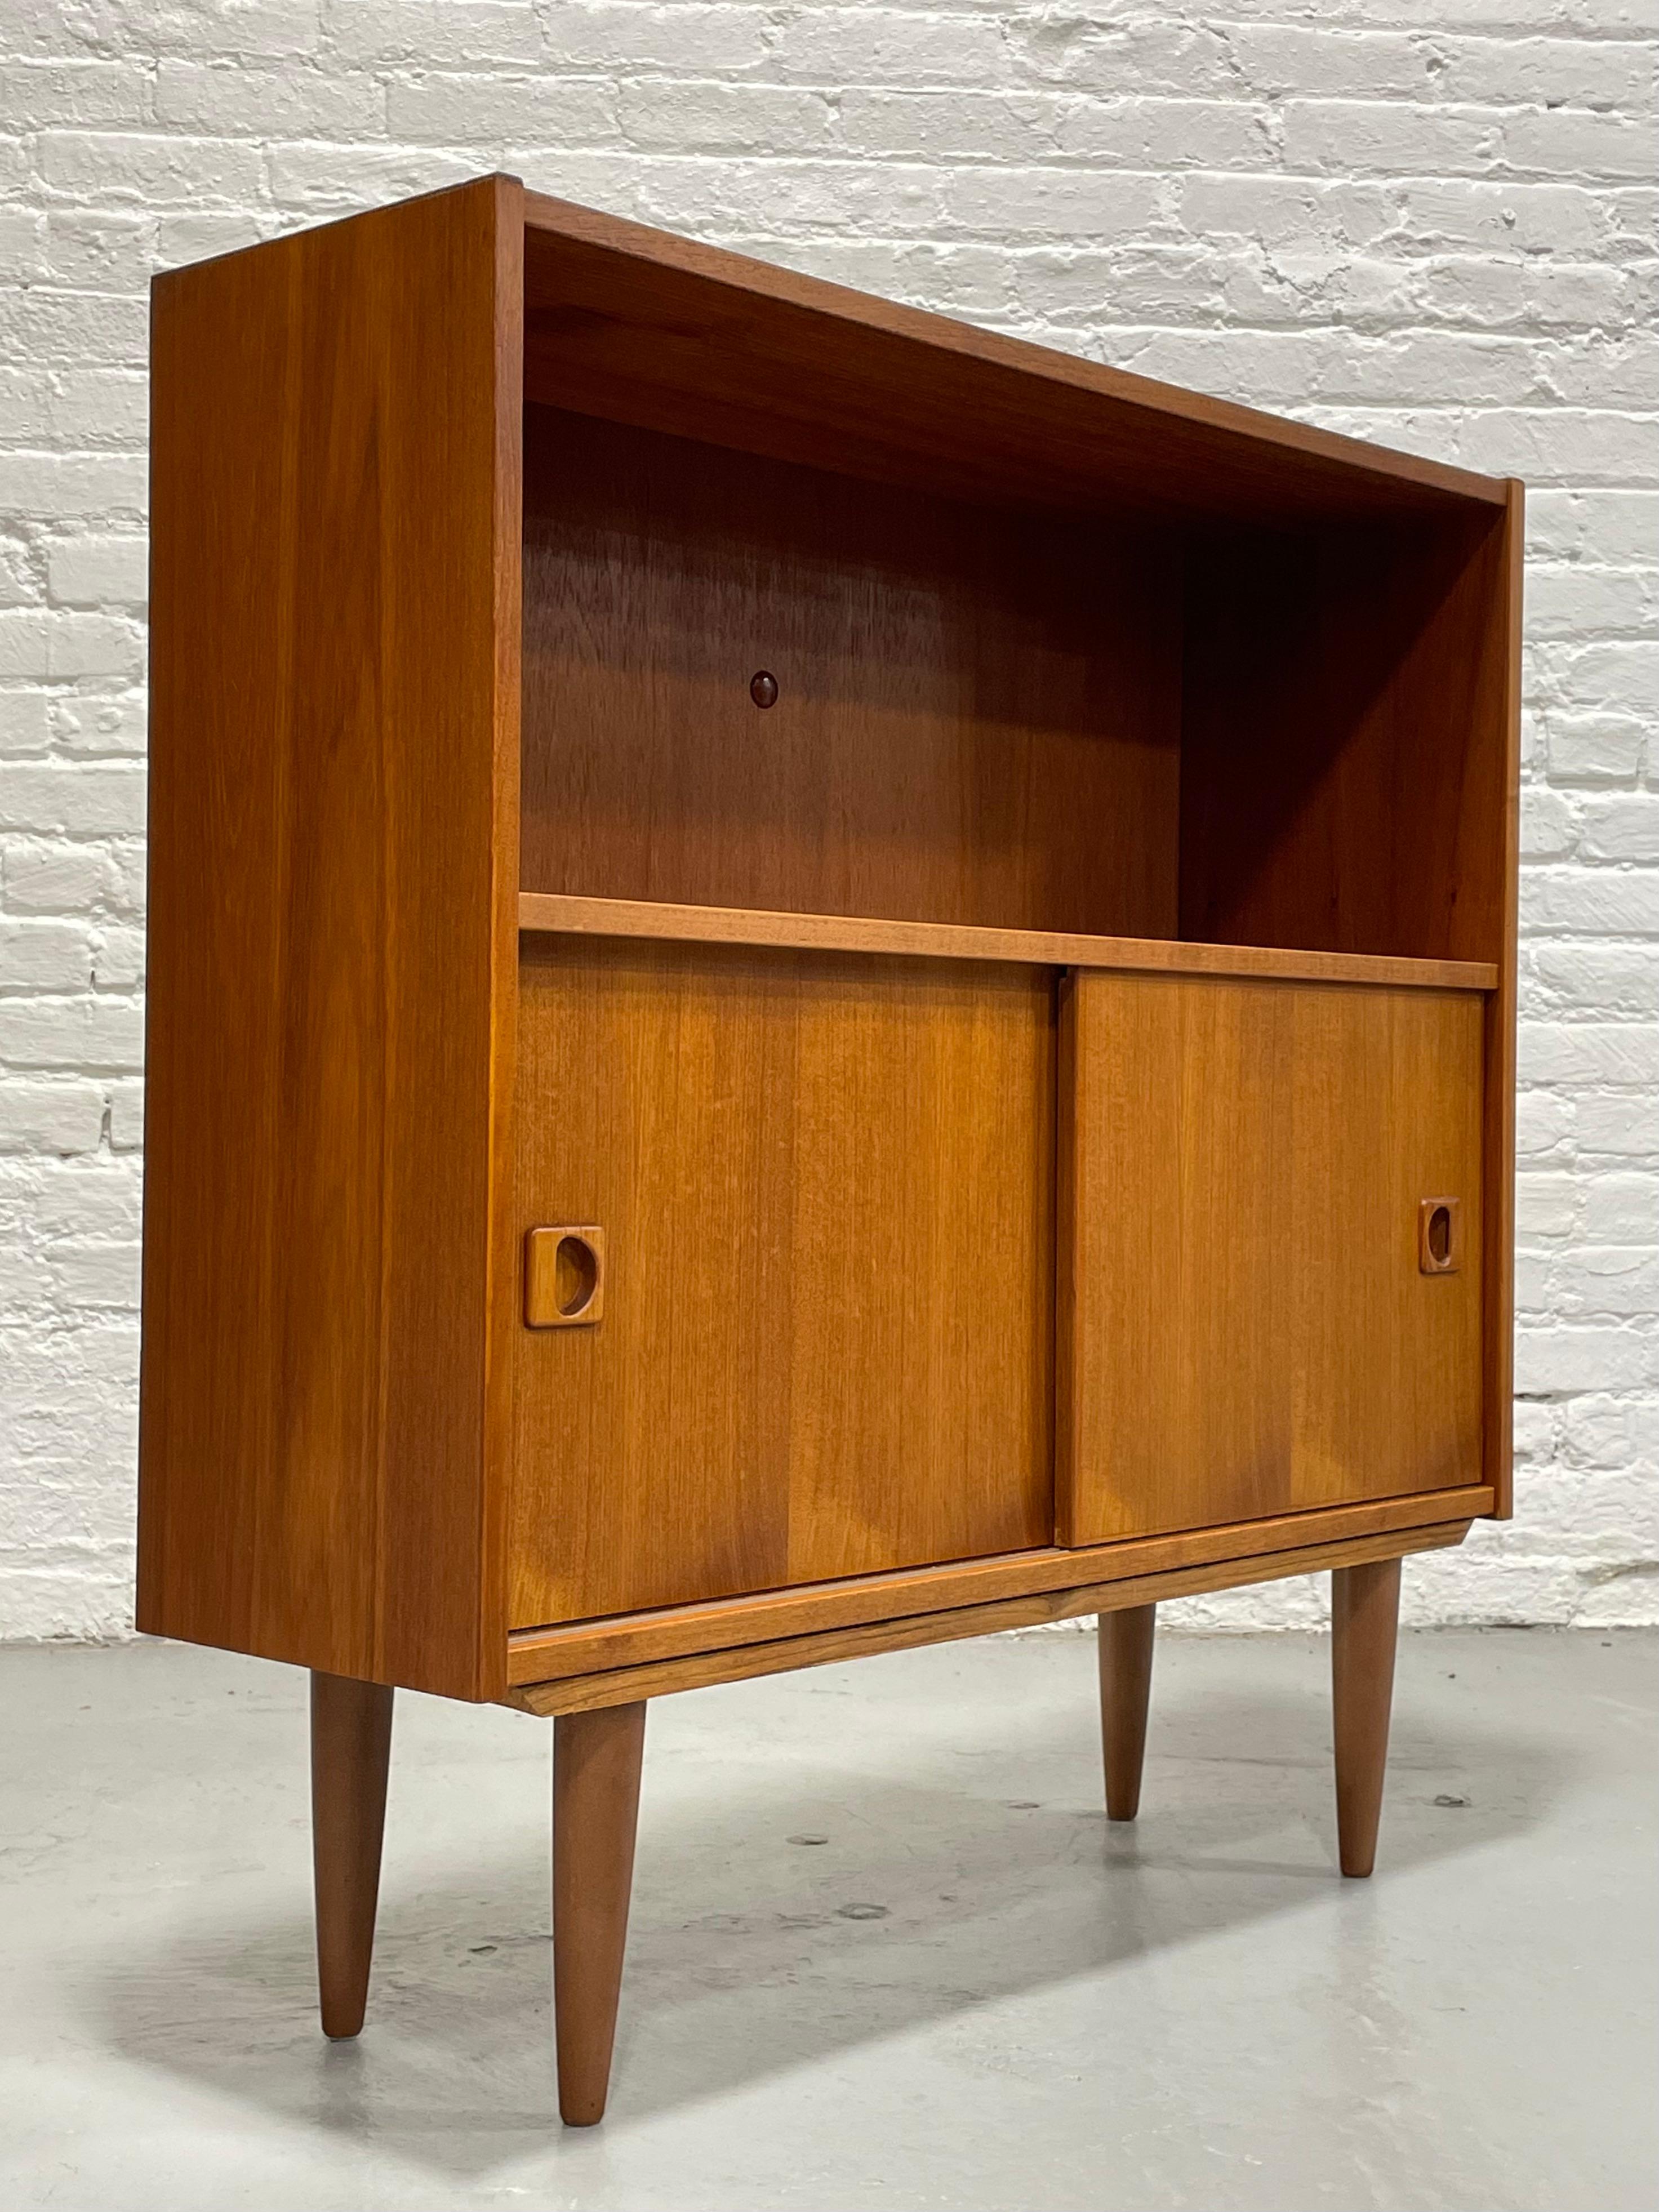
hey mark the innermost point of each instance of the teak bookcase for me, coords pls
(818, 983)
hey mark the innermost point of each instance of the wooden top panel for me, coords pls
(638, 326)
(561, 914)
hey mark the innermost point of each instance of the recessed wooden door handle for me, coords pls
(1440, 1235)
(563, 1277)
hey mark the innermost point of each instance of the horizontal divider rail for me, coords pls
(563, 913)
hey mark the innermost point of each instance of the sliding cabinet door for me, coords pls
(811, 1335)
(1270, 1262)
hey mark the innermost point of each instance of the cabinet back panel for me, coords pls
(1346, 756)
(826, 1189)
(1245, 1326)
(977, 712)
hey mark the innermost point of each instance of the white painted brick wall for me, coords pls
(1427, 220)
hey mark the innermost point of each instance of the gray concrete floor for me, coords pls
(1043, 2014)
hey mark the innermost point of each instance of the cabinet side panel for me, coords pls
(1500, 719)
(332, 942)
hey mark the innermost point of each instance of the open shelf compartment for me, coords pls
(833, 610)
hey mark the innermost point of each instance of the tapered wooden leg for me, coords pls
(350, 1746)
(1126, 1682)
(1364, 1625)
(595, 1803)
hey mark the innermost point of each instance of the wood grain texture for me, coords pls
(1345, 762)
(595, 1803)
(564, 1276)
(629, 323)
(350, 1753)
(977, 717)
(1243, 1328)
(590, 1646)
(1066, 660)
(1365, 1634)
(332, 944)
(827, 1191)
(1439, 1236)
(1126, 1640)
(561, 914)
(1499, 703)
(591, 1692)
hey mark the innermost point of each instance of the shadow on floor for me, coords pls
(744, 1958)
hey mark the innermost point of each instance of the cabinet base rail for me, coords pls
(600, 1742)
(537, 1656)
(614, 1686)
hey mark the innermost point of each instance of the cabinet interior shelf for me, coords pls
(567, 914)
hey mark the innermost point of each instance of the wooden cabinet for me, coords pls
(818, 982)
